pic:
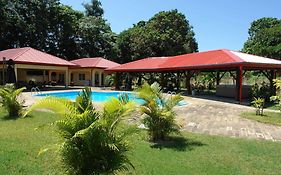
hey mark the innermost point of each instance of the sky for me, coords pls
(218, 24)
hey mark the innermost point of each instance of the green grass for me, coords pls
(273, 118)
(20, 143)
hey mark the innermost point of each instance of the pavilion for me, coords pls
(216, 61)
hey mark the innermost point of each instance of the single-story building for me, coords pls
(28, 66)
(31, 65)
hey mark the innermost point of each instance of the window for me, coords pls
(82, 77)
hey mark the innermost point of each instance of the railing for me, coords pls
(35, 90)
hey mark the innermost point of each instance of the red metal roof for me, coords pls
(95, 63)
(28, 55)
(215, 59)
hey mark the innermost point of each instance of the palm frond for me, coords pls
(58, 105)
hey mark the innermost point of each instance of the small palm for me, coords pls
(160, 116)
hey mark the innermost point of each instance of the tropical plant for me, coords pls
(258, 103)
(10, 101)
(84, 100)
(94, 142)
(277, 98)
(160, 116)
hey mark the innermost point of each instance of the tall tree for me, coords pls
(96, 37)
(94, 8)
(165, 34)
(264, 38)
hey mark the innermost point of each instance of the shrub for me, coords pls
(9, 100)
(277, 98)
(160, 116)
(258, 103)
(261, 91)
(94, 142)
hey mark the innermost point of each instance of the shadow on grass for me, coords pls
(177, 143)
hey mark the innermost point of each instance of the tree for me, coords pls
(94, 8)
(264, 38)
(96, 37)
(94, 142)
(160, 116)
(165, 34)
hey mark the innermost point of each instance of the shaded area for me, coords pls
(177, 143)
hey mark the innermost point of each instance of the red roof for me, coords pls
(28, 55)
(215, 59)
(95, 63)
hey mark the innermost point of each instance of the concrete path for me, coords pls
(219, 118)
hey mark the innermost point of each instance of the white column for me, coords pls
(16, 72)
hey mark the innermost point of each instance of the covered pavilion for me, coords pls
(216, 61)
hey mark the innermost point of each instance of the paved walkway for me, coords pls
(214, 118)
(219, 118)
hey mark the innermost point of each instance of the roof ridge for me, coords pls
(52, 55)
(99, 59)
(22, 52)
(235, 57)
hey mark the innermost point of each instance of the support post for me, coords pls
(239, 82)
(16, 72)
(139, 79)
(187, 82)
(272, 77)
(178, 81)
(66, 79)
(100, 79)
(218, 78)
(117, 76)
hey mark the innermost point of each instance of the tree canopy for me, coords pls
(264, 38)
(62, 31)
(55, 28)
(167, 33)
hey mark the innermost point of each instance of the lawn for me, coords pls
(273, 118)
(22, 139)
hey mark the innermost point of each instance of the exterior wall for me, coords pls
(75, 75)
(93, 77)
(21, 73)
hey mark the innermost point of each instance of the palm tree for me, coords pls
(10, 101)
(94, 142)
(160, 116)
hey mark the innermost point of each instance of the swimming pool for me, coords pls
(96, 95)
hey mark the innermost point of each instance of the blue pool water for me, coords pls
(99, 96)
(96, 96)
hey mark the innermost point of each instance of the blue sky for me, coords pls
(217, 23)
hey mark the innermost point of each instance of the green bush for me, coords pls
(10, 101)
(94, 142)
(261, 91)
(277, 98)
(258, 103)
(160, 116)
